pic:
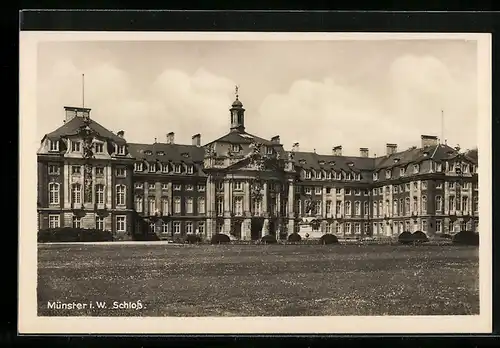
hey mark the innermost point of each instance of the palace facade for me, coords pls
(246, 186)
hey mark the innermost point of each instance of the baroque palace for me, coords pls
(246, 186)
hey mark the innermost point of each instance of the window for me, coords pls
(177, 227)
(238, 186)
(53, 169)
(466, 185)
(76, 169)
(317, 190)
(75, 146)
(451, 185)
(439, 203)
(177, 205)
(220, 206)
(401, 171)
(138, 203)
(329, 175)
(269, 150)
(381, 190)
(401, 207)
(367, 228)
(189, 187)
(395, 207)
(177, 168)
(424, 185)
(164, 168)
(328, 207)
(99, 223)
(190, 169)
(357, 208)
(164, 186)
(348, 208)
(220, 186)
(151, 205)
(366, 192)
(121, 172)
(77, 222)
(380, 208)
(347, 228)
(121, 223)
(54, 221)
(395, 188)
(76, 193)
(99, 148)
(458, 204)
(439, 184)
(189, 227)
(99, 171)
(235, 148)
(138, 185)
(424, 204)
(365, 208)
(177, 187)
(201, 205)
(165, 206)
(328, 228)
(451, 202)
(201, 227)
(54, 145)
(238, 206)
(451, 227)
(53, 193)
(347, 191)
(415, 205)
(121, 149)
(357, 228)
(375, 176)
(338, 206)
(189, 205)
(120, 194)
(152, 167)
(338, 191)
(375, 208)
(357, 192)
(138, 167)
(317, 207)
(339, 176)
(297, 189)
(407, 205)
(388, 174)
(152, 227)
(308, 174)
(465, 203)
(201, 188)
(337, 228)
(407, 187)
(439, 226)
(415, 185)
(416, 168)
(307, 190)
(257, 207)
(463, 226)
(407, 226)
(219, 227)
(99, 194)
(318, 174)
(164, 227)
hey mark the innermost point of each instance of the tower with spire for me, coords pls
(237, 114)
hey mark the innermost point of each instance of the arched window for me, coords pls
(121, 194)
(138, 203)
(365, 208)
(395, 207)
(424, 204)
(99, 194)
(76, 193)
(357, 208)
(53, 193)
(407, 206)
(348, 208)
(152, 205)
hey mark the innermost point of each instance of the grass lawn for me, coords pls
(272, 280)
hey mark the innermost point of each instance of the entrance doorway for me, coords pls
(236, 228)
(256, 228)
(272, 227)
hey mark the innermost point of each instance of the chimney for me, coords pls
(170, 138)
(120, 134)
(363, 151)
(275, 139)
(72, 112)
(337, 150)
(196, 139)
(391, 149)
(429, 140)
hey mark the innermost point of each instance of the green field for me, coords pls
(272, 280)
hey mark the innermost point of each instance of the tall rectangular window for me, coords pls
(76, 193)
(54, 221)
(99, 194)
(120, 194)
(53, 193)
(177, 205)
(189, 205)
(201, 205)
(121, 223)
(77, 222)
(99, 223)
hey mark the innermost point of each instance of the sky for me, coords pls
(317, 93)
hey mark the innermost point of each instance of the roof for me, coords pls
(238, 137)
(171, 152)
(331, 162)
(72, 126)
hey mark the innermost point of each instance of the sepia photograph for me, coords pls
(255, 179)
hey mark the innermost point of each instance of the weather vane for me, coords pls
(236, 91)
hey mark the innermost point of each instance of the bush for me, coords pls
(445, 236)
(329, 239)
(420, 237)
(294, 237)
(70, 234)
(268, 239)
(193, 239)
(220, 238)
(405, 238)
(466, 238)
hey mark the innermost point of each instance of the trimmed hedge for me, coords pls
(405, 238)
(70, 234)
(294, 237)
(445, 236)
(420, 237)
(329, 239)
(220, 238)
(268, 239)
(193, 239)
(466, 238)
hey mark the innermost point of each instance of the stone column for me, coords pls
(67, 187)
(279, 224)
(419, 199)
(265, 228)
(446, 198)
(323, 203)
(227, 207)
(265, 206)
(291, 208)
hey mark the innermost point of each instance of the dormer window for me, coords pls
(375, 176)
(396, 160)
(329, 175)
(332, 163)
(121, 149)
(54, 145)
(164, 168)
(439, 167)
(357, 176)
(339, 176)
(138, 167)
(177, 168)
(190, 169)
(302, 161)
(401, 171)
(426, 154)
(235, 148)
(416, 168)
(185, 154)
(99, 148)
(308, 174)
(269, 150)
(148, 153)
(388, 174)
(350, 164)
(75, 146)
(160, 153)
(318, 174)
(152, 167)
(322, 163)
